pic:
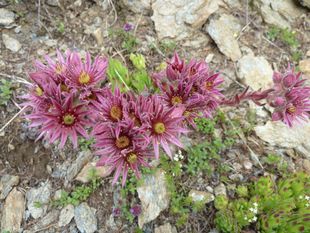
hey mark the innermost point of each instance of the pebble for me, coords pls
(85, 218)
(166, 228)
(82, 159)
(38, 195)
(236, 177)
(83, 176)
(247, 165)
(13, 211)
(66, 215)
(6, 17)
(154, 197)
(306, 165)
(11, 43)
(46, 221)
(7, 182)
(201, 196)
(220, 190)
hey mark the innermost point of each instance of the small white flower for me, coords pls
(307, 205)
(307, 198)
(254, 219)
(252, 209)
(255, 204)
(245, 218)
(300, 197)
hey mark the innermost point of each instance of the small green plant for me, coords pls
(85, 144)
(80, 193)
(119, 75)
(167, 46)
(61, 27)
(201, 155)
(5, 91)
(275, 207)
(37, 204)
(288, 38)
(128, 40)
(272, 159)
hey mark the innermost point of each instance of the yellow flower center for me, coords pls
(176, 100)
(68, 119)
(84, 78)
(209, 85)
(159, 128)
(132, 158)
(39, 91)
(116, 113)
(187, 113)
(59, 69)
(122, 142)
(135, 119)
(291, 109)
(64, 88)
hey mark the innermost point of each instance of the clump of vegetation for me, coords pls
(282, 206)
(288, 38)
(6, 91)
(86, 144)
(120, 76)
(129, 42)
(80, 193)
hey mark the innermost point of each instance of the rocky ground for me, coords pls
(241, 39)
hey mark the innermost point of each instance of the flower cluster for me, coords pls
(68, 99)
(192, 86)
(62, 94)
(290, 97)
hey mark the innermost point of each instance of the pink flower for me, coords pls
(129, 158)
(175, 67)
(84, 75)
(111, 107)
(61, 121)
(55, 69)
(289, 97)
(112, 139)
(165, 127)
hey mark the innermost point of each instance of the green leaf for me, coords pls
(138, 61)
(118, 75)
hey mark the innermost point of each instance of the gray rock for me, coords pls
(52, 2)
(6, 17)
(201, 196)
(166, 228)
(236, 177)
(304, 66)
(66, 215)
(305, 3)
(78, 164)
(38, 195)
(247, 165)
(11, 43)
(181, 19)
(154, 197)
(223, 31)
(44, 222)
(13, 211)
(138, 6)
(220, 190)
(279, 12)
(7, 182)
(279, 134)
(306, 165)
(83, 176)
(85, 218)
(255, 71)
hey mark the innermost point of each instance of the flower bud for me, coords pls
(276, 116)
(277, 77)
(278, 102)
(289, 80)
